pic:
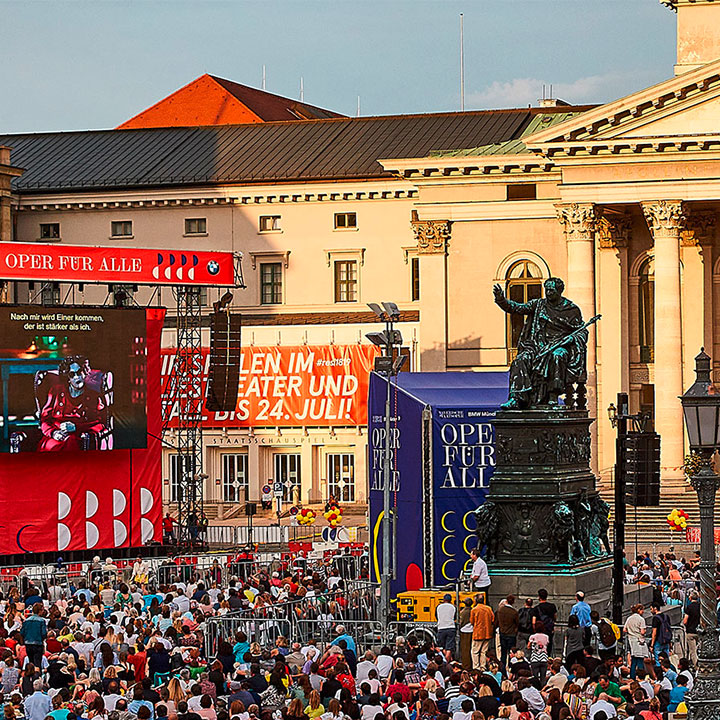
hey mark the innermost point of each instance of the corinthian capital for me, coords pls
(614, 231)
(699, 228)
(578, 220)
(432, 235)
(665, 216)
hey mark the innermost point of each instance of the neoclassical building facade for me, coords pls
(620, 200)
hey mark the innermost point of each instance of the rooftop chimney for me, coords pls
(698, 32)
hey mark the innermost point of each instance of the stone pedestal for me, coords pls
(544, 525)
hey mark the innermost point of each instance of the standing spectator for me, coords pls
(583, 612)
(507, 621)
(607, 634)
(445, 615)
(482, 620)
(466, 630)
(479, 574)
(661, 636)
(546, 613)
(635, 629)
(34, 632)
(691, 621)
(526, 615)
(538, 646)
(574, 642)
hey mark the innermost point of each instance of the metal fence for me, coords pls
(230, 535)
(354, 606)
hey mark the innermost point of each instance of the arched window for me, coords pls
(524, 282)
(646, 310)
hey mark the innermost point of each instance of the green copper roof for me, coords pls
(515, 146)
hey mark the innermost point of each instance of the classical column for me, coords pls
(613, 234)
(579, 223)
(696, 243)
(432, 238)
(666, 220)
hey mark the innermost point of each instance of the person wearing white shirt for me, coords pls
(479, 573)
(384, 663)
(445, 613)
(364, 668)
(183, 603)
(601, 710)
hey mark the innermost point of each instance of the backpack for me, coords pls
(525, 616)
(664, 634)
(607, 634)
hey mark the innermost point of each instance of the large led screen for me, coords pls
(72, 378)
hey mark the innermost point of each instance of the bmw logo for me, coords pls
(213, 267)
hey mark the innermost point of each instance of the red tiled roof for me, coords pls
(210, 100)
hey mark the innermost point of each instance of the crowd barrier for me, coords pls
(299, 620)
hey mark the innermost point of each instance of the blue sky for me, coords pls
(71, 65)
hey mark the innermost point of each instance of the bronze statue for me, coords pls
(551, 350)
(599, 526)
(562, 532)
(487, 525)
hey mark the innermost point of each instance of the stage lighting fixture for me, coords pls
(377, 338)
(392, 310)
(377, 310)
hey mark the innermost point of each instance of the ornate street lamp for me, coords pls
(701, 408)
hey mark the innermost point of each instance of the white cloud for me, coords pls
(521, 92)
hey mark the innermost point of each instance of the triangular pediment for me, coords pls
(685, 108)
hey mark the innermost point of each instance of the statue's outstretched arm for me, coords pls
(510, 306)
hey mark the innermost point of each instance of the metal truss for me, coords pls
(186, 399)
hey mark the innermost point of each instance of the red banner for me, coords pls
(61, 501)
(294, 386)
(692, 535)
(133, 266)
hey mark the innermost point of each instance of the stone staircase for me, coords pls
(652, 531)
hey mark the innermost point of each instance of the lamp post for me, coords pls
(701, 408)
(388, 365)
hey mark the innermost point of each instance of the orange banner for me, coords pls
(294, 386)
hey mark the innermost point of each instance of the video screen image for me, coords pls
(72, 378)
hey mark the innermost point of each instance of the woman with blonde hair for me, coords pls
(314, 707)
(175, 691)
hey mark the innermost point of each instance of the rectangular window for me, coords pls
(121, 228)
(175, 475)
(341, 477)
(522, 191)
(49, 231)
(287, 472)
(415, 278)
(346, 283)
(345, 221)
(234, 477)
(271, 283)
(195, 226)
(269, 223)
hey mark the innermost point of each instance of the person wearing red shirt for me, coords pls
(343, 676)
(399, 686)
(51, 643)
(139, 662)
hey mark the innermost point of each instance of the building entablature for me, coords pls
(652, 120)
(219, 196)
(460, 168)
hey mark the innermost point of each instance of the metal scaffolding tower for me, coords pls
(186, 391)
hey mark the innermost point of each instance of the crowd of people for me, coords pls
(115, 650)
